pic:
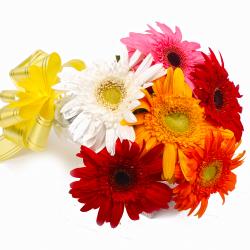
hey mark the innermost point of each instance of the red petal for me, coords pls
(117, 212)
(157, 197)
(92, 159)
(133, 211)
(152, 154)
(104, 211)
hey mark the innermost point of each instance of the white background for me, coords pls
(36, 211)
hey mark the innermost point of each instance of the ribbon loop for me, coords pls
(21, 72)
(28, 117)
(38, 136)
(9, 117)
(8, 96)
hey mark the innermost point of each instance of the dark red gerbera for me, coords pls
(218, 95)
(126, 180)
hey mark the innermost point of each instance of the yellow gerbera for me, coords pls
(173, 118)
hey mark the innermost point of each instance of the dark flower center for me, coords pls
(174, 59)
(218, 98)
(122, 179)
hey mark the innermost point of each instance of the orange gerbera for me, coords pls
(173, 118)
(212, 171)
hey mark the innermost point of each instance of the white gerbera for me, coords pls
(104, 95)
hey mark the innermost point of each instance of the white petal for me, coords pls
(134, 104)
(139, 95)
(81, 129)
(100, 147)
(146, 63)
(68, 73)
(99, 131)
(124, 61)
(152, 73)
(134, 58)
(110, 140)
(160, 71)
(81, 118)
(90, 142)
(71, 113)
(91, 132)
(68, 106)
(97, 142)
(147, 85)
(126, 133)
(100, 140)
(130, 117)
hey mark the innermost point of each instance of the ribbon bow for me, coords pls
(29, 114)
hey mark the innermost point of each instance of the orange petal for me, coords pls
(143, 105)
(151, 143)
(169, 160)
(178, 83)
(187, 91)
(236, 162)
(222, 197)
(168, 83)
(203, 207)
(184, 165)
(193, 208)
(157, 87)
(226, 133)
(147, 95)
(140, 120)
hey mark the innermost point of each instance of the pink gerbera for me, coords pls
(167, 48)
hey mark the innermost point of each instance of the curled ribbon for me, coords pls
(28, 117)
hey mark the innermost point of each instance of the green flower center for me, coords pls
(177, 122)
(211, 172)
(110, 93)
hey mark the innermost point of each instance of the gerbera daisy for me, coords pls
(125, 180)
(173, 117)
(102, 97)
(167, 48)
(218, 95)
(212, 170)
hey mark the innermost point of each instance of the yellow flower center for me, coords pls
(177, 122)
(110, 93)
(211, 172)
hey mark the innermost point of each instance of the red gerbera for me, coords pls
(212, 173)
(126, 180)
(218, 95)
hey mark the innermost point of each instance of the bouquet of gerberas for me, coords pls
(159, 123)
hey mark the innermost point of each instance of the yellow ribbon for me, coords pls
(28, 117)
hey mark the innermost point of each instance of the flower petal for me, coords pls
(169, 160)
(130, 117)
(110, 140)
(126, 133)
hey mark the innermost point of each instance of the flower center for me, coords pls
(110, 93)
(218, 98)
(175, 119)
(174, 59)
(211, 172)
(177, 122)
(122, 179)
